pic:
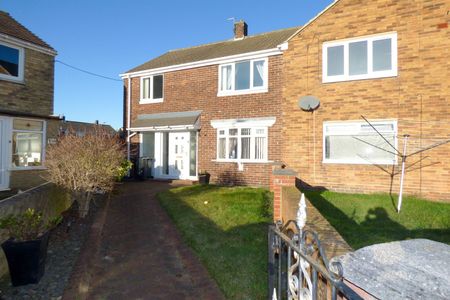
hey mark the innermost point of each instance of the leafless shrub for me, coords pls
(85, 164)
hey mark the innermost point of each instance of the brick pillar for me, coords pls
(278, 179)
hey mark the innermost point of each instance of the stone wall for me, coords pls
(46, 198)
(35, 93)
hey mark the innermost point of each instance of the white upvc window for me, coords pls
(355, 142)
(360, 58)
(242, 144)
(28, 143)
(11, 62)
(152, 89)
(243, 77)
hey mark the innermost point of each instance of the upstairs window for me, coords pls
(243, 77)
(152, 89)
(359, 143)
(11, 62)
(361, 58)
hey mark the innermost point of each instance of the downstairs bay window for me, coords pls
(27, 143)
(243, 140)
(242, 144)
(358, 143)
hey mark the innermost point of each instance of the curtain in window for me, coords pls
(27, 149)
(226, 78)
(245, 147)
(258, 73)
(232, 148)
(260, 147)
(229, 78)
(222, 147)
(146, 88)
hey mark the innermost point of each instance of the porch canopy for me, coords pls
(184, 120)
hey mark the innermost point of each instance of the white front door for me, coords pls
(179, 155)
(4, 142)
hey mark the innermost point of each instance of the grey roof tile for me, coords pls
(9, 26)
(253, 43)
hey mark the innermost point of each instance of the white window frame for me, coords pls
(370, 73)
(20, 77)
(44, 144)
(353, 128)
(252, 89)
(151, 99)
(239, 137)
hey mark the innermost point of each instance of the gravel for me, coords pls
(64, 247)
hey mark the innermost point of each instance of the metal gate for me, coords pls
(298, 266)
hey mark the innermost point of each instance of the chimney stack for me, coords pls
(240, 30)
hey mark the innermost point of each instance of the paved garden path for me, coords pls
(135, 252)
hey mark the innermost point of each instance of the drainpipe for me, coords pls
(128, 118)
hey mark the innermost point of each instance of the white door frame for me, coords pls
(158, 163)
(5, 149)
(179, 154)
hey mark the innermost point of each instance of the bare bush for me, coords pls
(85, 164)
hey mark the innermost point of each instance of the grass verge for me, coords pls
(364, 220)
(227, 228)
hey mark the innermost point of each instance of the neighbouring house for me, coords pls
(83, 128)
(388, 61)
(212, 108)
(26, 104)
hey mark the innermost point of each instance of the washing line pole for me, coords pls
(400, 194)
(403, 155)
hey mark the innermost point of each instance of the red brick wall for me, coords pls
(196, 89)
(418, 97)
(280, 178)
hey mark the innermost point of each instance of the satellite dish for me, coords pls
(308, 103)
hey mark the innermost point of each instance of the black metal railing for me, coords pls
(299, 268)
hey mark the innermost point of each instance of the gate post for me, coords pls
(279, 178)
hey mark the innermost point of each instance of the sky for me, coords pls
(109, 37)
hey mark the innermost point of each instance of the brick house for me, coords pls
(213, 107)
(388, 61)
(26, 104)
(385, 60)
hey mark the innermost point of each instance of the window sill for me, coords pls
(242, 161)
(357, 78)
(354, 162)
(27, 168)
(12, 79)
(150, 101)
(241, 92)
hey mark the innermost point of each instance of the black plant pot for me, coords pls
(203, 178)
(26, 259)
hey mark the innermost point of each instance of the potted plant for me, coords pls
(203, 177)
(26, 248)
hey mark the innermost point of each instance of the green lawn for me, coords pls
(227, 228)
(364, 220)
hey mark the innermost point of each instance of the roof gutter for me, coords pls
(22, 43)
(207, 62)
(128, 118)
(27, 115)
